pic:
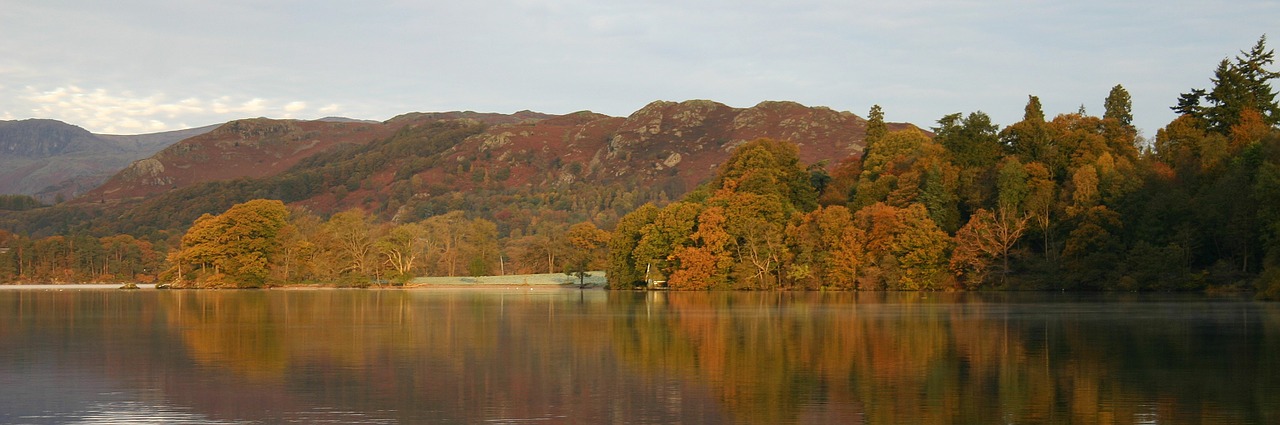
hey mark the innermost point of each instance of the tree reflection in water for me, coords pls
(571, 356)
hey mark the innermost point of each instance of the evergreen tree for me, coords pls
(973, 141)
(1119, 106)
(1033, 111)
(1031, 138)
(1237, 86)
(876, 129)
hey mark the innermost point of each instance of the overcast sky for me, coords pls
(137, 66)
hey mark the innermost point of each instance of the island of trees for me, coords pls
(1076, 202)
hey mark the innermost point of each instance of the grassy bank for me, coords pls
(597, 278)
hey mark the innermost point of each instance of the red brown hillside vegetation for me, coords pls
(259, 147)
(677, 145)
(665, 148)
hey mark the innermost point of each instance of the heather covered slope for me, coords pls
(665, 145)
(517, 169)
(256, 148)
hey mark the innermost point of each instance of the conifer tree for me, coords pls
(1119, 106)
(876, 129)
(1237, 86)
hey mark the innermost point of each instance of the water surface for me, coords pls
(567, 356)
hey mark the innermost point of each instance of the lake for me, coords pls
(523, 356)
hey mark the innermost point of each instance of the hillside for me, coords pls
(585, 164)
(679, 145)
(49, 159)
(256, 148)
(521, 170)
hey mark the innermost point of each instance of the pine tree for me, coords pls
(1033, 111)
(1237, 86)
(1119, 106)
(876, 129)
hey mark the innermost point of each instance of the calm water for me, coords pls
(563, 356)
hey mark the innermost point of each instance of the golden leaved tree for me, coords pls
(232, 249)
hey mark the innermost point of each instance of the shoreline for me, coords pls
(425, 286)
(596, 280)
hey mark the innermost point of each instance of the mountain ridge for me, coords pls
(517, 169)
(51, 159)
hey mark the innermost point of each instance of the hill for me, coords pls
(520, 170)
(49, 159)
(256, 148)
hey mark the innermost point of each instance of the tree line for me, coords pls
(1075, 202)
(263, 242)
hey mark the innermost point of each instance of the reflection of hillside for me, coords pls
(937, 358)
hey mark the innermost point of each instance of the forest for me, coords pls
(1076, 202)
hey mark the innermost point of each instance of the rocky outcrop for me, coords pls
(674, 144)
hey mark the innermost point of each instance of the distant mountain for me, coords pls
(48, 158)
(40, 138)
(156, 141)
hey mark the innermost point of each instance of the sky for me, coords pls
(135, 66)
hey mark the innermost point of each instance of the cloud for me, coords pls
(123, 112)
(207, 62)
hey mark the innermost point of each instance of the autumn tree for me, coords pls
(401, 247)
(10, 264)
(447, 233)
(587, 245)
(1041, 200)
(844, 176)
(302, 257)
(905, 249)
(895, 154)
(1190, 149)
(353, 234)
(826, 249)
(541, 250)
(481, 247)
(706, 263)
(622, 269)
(660, 239)
(985, 239)
(755, 223)
(771, 168)
(126, 258)
(910, 168)
(233, 248)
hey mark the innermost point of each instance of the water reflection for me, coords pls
(512, 356)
